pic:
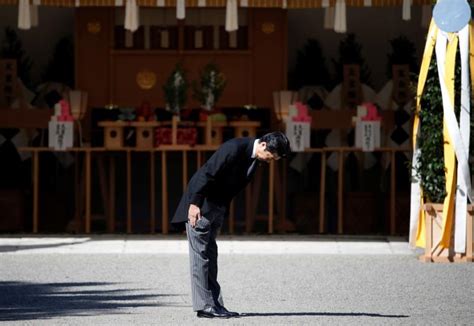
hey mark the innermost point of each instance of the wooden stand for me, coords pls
(213, 131)
(433, 251)
(469, 239)
(245, 128)
(145, 133)
(113, 134)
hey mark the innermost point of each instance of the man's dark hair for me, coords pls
(277, 143)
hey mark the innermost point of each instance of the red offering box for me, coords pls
(186, 136)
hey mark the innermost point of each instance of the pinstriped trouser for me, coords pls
(205, 289)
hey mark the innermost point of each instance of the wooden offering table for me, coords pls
(245, 128)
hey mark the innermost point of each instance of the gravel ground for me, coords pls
(124, 289)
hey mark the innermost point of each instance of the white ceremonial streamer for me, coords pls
(464, 180)
(118, 3)
(201, 3)
(180, 9)
(340, 25)
(78, 3)
(244, 3)
(231, 18)
(34, 15)
(415, 196)
(325, 3)
(406, 10)
(284, 4)
(160, 3)
(24, 15)
(464, 124)
(132, 15)
(329, 18)
(367, 3)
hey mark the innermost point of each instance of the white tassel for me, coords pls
(34, 15)
(367, 3)
(180, 9)
(201, 3)
(329, 18)
(118, 3)
(244, 3)
(284, 4)
(24, 14)
(325, 4)
(406, 10)
(160, 3)
(231, 18)
(132, 15)
(340, 25)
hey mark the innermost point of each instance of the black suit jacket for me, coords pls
(214, 185)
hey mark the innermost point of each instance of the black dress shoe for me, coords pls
(212, 312)
(230, 313)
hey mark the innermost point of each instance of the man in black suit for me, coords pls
(205, 204)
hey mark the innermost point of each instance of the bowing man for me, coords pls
(205, 204)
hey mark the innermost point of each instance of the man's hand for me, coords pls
(194, 214)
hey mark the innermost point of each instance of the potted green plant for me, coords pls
(429, 168)
(210, 86)
(175, 90)
(12, 48)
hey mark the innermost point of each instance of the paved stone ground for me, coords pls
(42, 283)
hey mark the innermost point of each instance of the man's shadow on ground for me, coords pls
(319, 314)
(31, 301)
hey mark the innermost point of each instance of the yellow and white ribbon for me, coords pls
(458, 134)
(445, 55)
(417, 215)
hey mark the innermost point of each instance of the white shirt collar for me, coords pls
(254, 148)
